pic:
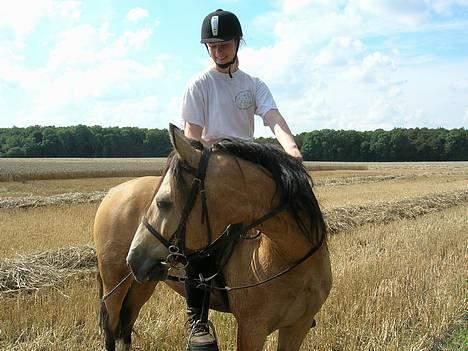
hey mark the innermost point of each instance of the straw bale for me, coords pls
(345, 218)
(334, 181)
(45, 269)
(60, 199)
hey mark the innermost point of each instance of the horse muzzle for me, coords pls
(144, 269)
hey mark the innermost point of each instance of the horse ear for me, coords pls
(183, 147)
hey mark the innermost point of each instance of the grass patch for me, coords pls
(30, 230)
(456, 339)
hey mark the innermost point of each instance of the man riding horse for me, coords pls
(221, 103)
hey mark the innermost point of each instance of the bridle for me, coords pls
(224, 244)
(176, 243)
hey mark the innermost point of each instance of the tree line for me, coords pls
(83, 141)
(400, 144)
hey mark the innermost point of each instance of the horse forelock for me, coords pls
(174, 167)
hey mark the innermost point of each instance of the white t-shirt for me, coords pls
(225, 107)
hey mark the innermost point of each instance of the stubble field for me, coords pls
(398, 250)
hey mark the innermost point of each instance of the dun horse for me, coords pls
(249, 204)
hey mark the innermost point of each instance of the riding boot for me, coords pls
(201, 335)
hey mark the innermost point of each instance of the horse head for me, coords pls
(202, 192)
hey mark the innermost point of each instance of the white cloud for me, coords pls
(341, 64)
(104, 32)
(410, 12)
(295, 6)
(85, 45)
(136, 39)
(394, 91)
(76, 45)
(22, 16)
(460, 84)
(375, 68)
(88, 74)
(341, 50)
(382, 113)
(445, 7)
(8, 62)
(330, 64)
(137, 14)
(108, 93)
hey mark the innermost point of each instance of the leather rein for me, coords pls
(223, 246)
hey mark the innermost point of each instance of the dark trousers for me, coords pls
(195, 297)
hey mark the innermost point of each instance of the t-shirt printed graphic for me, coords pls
(244, 100)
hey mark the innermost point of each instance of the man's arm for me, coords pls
(280, 129)
(193, 131)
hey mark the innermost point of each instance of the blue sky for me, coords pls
(345, 64)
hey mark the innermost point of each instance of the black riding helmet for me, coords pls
(219, 26)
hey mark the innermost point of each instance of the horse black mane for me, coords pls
(293, 183)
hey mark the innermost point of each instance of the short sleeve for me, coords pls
(263, 99)
(193, 104)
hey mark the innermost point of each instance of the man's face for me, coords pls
(223, 52)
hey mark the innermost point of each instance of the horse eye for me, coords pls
(163, 204)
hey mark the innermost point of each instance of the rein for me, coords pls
(203, 285)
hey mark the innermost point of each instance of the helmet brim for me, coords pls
(215, 40)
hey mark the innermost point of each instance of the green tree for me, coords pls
(50, 144)
(456, 146)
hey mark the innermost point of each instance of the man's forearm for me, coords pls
(283, 134)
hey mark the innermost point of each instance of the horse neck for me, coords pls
(285, 235)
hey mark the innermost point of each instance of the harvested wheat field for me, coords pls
(398, 250)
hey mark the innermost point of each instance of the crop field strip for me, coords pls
(28, 169)
(28, 197)
(44, 269)
(71, 224)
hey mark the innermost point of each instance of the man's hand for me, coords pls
(294, 152)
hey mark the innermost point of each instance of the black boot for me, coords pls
(201, 335)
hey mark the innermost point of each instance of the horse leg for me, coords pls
(109, 320)
(136, 297)
(250, 337)
(291, 338)
(104, 327)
